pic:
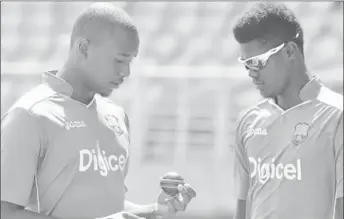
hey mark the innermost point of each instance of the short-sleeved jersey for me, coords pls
(78, 153)
(289, 163)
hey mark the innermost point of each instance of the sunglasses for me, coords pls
(257, 63)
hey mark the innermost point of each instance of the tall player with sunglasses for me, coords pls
(289, 146)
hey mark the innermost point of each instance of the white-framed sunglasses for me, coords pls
(258, 62)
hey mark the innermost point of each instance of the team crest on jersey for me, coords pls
(114, 124)
(300, 133)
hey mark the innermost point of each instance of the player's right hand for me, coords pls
(121, 215)
(168, 206)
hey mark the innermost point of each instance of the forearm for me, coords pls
(11, 211)
(339, 209)
(23, 214)
(146, 211)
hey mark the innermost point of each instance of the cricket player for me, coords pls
(289, 146)
(65, 146)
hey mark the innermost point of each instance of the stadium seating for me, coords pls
(182, 33)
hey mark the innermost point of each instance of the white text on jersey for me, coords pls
(257, 131)
(267, 171)
(101, 162)
(75, 124)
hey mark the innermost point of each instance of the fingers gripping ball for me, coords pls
(176, 194)
(187, 192)
(169, 183)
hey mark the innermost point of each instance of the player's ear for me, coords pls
(291, 50)
(83, 46)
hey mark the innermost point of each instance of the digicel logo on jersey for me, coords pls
(101, 162)
(266, 171)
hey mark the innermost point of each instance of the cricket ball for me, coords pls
(169, 183)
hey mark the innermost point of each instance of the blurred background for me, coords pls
(186, 87)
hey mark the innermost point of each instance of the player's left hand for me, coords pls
(169, 205)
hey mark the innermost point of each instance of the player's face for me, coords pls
(267, 66)
(109, 63)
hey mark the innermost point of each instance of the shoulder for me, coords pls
(252, 115)
(26, 104)
(334, 104)
(253, 112)
(330, 98)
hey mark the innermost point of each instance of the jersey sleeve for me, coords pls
(338, 144)
(241, 164)
(20, 146)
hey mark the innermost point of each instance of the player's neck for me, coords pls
(72, 76)
(291, 96)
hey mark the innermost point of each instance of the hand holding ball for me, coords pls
(176, 194)
(169, 183)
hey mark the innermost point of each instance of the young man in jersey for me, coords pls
(64, 145)
(289, 146)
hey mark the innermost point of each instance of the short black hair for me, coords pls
(99, 18)
(266, 20)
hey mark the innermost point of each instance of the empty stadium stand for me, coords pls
(173, 33)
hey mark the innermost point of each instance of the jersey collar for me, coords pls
(63, 87)
(310, 90)
(57, 84)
